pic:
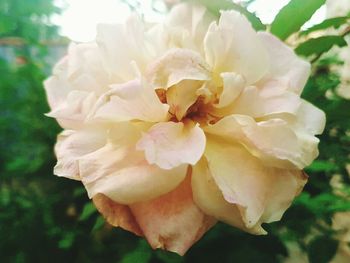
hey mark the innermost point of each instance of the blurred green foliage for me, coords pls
(48, 219)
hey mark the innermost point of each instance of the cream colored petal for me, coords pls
(123, 45)
(256, 102)
(73, 111)
(116, 214)
(177, 65)
(208, 197)
(182, 96)
(191, 21)
(72, 145)
(121, 172)
(310, 118)
(172, 221)
(171, 144)
(233, 46)
(233, 85)
(287, 69)
(273, 141)
(133, 100)
(261, 193)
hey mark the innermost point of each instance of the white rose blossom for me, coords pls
(173, 126)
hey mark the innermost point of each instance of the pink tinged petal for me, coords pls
(177, 65)
(133, 100)
(182, 96)
(72, 145)
(273, 141)
(171, 144)
(208, 197)
(287, 69)
(120, 172)
(233, 85)
(261, 193)
(172, 221)
(116, 214)
(233, 46)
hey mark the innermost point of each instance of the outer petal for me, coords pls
(172, 221)
(123, 45)
(188, 24)
(171, 144)
(287, 70)
(261, 193)
(210, 200)
(116, 214)
(133, 100)
(122, 173)
(72, 145)
(273, 141)
(233, 46)
(311, 118)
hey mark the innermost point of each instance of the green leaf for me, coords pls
(215, 6)
(322, 249)
(98, 224)
(335, 22)
(67, 241)
(88, 210)
(320, 45)
(142, 254)
(320, 166)
(292, 16)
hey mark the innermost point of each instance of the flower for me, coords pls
(173, 126)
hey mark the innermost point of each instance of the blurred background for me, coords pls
(48, 219)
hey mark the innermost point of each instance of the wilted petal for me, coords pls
(208, 197)
(172, 144)
(133, 100)
(72, 145)
(273, 141)
(116, 214)
(233, 46)
(261, 193)
(120, 172)
(172, 221)
(177, 65)
(287, 70)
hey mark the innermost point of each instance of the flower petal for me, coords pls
(177, 65)
(287, 70)
(311, 118)
(233, 85)
(171, 144)
(233, 46)
(72, 145)
(261, 193)
(182, 96)
(273, 141)
(208, 197)
(133, 100)
(116, 214)
(172, 221)
(120, 172)
(123, 45)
